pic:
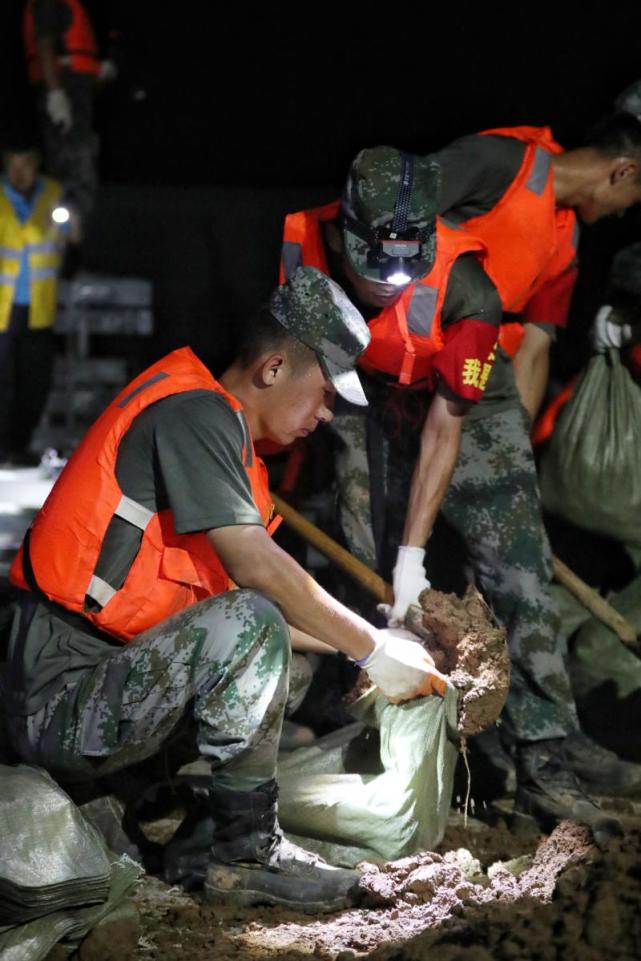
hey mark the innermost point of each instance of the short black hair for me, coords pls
(618, 135)
(262, 333)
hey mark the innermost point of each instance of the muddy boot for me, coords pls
(600, 770)
(252, 863)
(549, 792)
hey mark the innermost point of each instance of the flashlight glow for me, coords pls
(398, 279)
(60, 215)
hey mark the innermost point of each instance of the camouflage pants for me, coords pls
(375, 451)
(220, 667)
(493, 502)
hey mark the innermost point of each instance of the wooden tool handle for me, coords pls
(360, 572)
(382, 591)
(595, 604)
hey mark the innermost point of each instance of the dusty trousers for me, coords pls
(221, 667)
(494, 504)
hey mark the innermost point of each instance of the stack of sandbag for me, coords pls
(50, 856)
(57, 879)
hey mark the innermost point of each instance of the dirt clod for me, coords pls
(466, 643)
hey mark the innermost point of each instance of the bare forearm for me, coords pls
(308, 644)
(440, 442)
(48, 63)
(531, 376)
(261, 565)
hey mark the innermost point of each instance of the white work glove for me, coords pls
(409, 581)
(107, 71)
(59, 109)
(607, 333)
(401, 667)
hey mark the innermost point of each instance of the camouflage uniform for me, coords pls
(493, 502)
(223, 663)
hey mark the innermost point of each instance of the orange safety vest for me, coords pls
(406, 335)
(170, 571)
(80, 53)
(528, 238)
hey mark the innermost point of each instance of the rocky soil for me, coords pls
(486, 895)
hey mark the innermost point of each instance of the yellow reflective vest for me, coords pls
(44, 243)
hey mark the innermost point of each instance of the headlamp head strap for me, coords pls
(404, 196)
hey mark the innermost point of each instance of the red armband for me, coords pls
(465, 362)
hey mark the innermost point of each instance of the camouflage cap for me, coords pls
(315, 310)
(371, 200)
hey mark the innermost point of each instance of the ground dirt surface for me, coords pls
(488, 894)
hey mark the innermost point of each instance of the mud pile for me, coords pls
(562, 901)
(468, 645)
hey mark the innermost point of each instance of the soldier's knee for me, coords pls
(267, 618)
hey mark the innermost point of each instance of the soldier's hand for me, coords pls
(401, 667)
(59, 109)
(607, 333)
(409, 581)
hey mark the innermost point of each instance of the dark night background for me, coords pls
(225, 117)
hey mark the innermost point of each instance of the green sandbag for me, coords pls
(33, 941)
(591, 472)
(606, 678)
(360, 796)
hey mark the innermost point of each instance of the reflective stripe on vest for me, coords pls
(170, 571)
(42, 241)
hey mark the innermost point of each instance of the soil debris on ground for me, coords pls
(497, 896)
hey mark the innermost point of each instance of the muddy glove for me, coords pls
(409, 581)
(59, 109)
(607, 333)
(401, 667)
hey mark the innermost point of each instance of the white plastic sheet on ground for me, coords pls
(378, 790)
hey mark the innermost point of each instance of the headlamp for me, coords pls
(396, 257)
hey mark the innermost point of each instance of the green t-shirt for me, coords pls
(183, 453)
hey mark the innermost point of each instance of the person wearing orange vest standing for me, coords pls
(433, 315)
(128, 627)
(522, 195)
(63, 63)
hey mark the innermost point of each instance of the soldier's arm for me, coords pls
(531, 367)
(254, 561)
(308, 644)
(440, 442)
(544, 313)
(471, 318)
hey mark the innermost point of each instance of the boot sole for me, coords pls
(247, 898)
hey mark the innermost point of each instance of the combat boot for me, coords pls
(600, 770)
(549, 792)
(252, 863)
